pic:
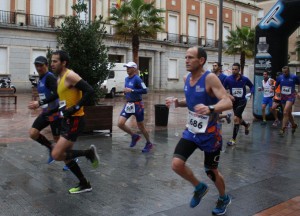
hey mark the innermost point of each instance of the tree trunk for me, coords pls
(242, 62)
(135, 48)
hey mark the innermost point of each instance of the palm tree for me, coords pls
(241, 41)
(136, 19)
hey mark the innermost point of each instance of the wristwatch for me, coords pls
(77, 107)
(211, 108)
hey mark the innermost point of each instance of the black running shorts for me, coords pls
(72, 127)
(185, 149)
(42, 122)
(239, 107)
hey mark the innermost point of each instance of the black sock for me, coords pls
(44, 141)
(71, 154)
(75, 169)
(244, 123)
(235, 130)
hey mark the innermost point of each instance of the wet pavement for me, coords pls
(261, 171)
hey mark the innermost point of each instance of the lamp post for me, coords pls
(90, 10)
(220, 43)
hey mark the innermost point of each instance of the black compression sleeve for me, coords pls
(87, 92)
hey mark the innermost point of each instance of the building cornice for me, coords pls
(244, 4)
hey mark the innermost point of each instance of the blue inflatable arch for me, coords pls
(272, 34)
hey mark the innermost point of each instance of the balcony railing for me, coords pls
(190, 40)
(173, 37)
(39, 21)
(7, 17)
(211, 43)
(193, 40)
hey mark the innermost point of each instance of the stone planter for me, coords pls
(99, 117)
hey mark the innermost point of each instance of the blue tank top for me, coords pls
(45, 92)
(197, 95)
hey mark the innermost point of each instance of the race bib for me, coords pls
(42, 96)
(286, 90)
(130, 108)
(266, 90)
(197, 123)
(62, 106)
(237, 92)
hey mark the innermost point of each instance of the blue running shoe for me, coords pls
(147, 147)
(66, 168)
(50, 159)
(134, 139)
(221, 207)
(198, 194)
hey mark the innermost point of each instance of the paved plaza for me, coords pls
(262, 171)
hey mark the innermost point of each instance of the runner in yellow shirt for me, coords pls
(73, 94)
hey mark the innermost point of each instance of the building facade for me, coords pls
(28, 27)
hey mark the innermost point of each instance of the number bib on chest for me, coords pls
(266, 90)
(286, 90)
(237, 92)
(130, 108)
(197, 123)
(42, 96)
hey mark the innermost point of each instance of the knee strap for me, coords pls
(210, 174)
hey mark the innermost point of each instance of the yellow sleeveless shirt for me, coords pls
(70, 95)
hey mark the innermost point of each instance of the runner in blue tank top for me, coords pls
(205, 97)
(48, 101)
(134, 88)
(288, 92)
(236, 83)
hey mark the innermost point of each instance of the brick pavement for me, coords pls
(288, 208)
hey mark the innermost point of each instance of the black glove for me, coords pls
(67, 113)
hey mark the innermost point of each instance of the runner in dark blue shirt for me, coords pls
(48, 101)
(134, 88)
(236, 84)
(288, 92)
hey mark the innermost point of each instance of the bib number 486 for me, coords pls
(194, 123)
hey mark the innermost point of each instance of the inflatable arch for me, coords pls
(272, 34)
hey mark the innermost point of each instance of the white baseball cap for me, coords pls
(131, 65)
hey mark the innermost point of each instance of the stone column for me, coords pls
(20, 12)
(157, 70)
(129, 55)
(202, 19)
(163, 71)
(60, 11)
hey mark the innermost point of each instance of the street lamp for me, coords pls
(220, 43)
(90, 6)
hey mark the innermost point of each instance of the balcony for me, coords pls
(7, 17)
(175, 38)
(210, 43)
(193, 41)
(39, 21)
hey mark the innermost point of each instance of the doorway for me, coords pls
(145, 69)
